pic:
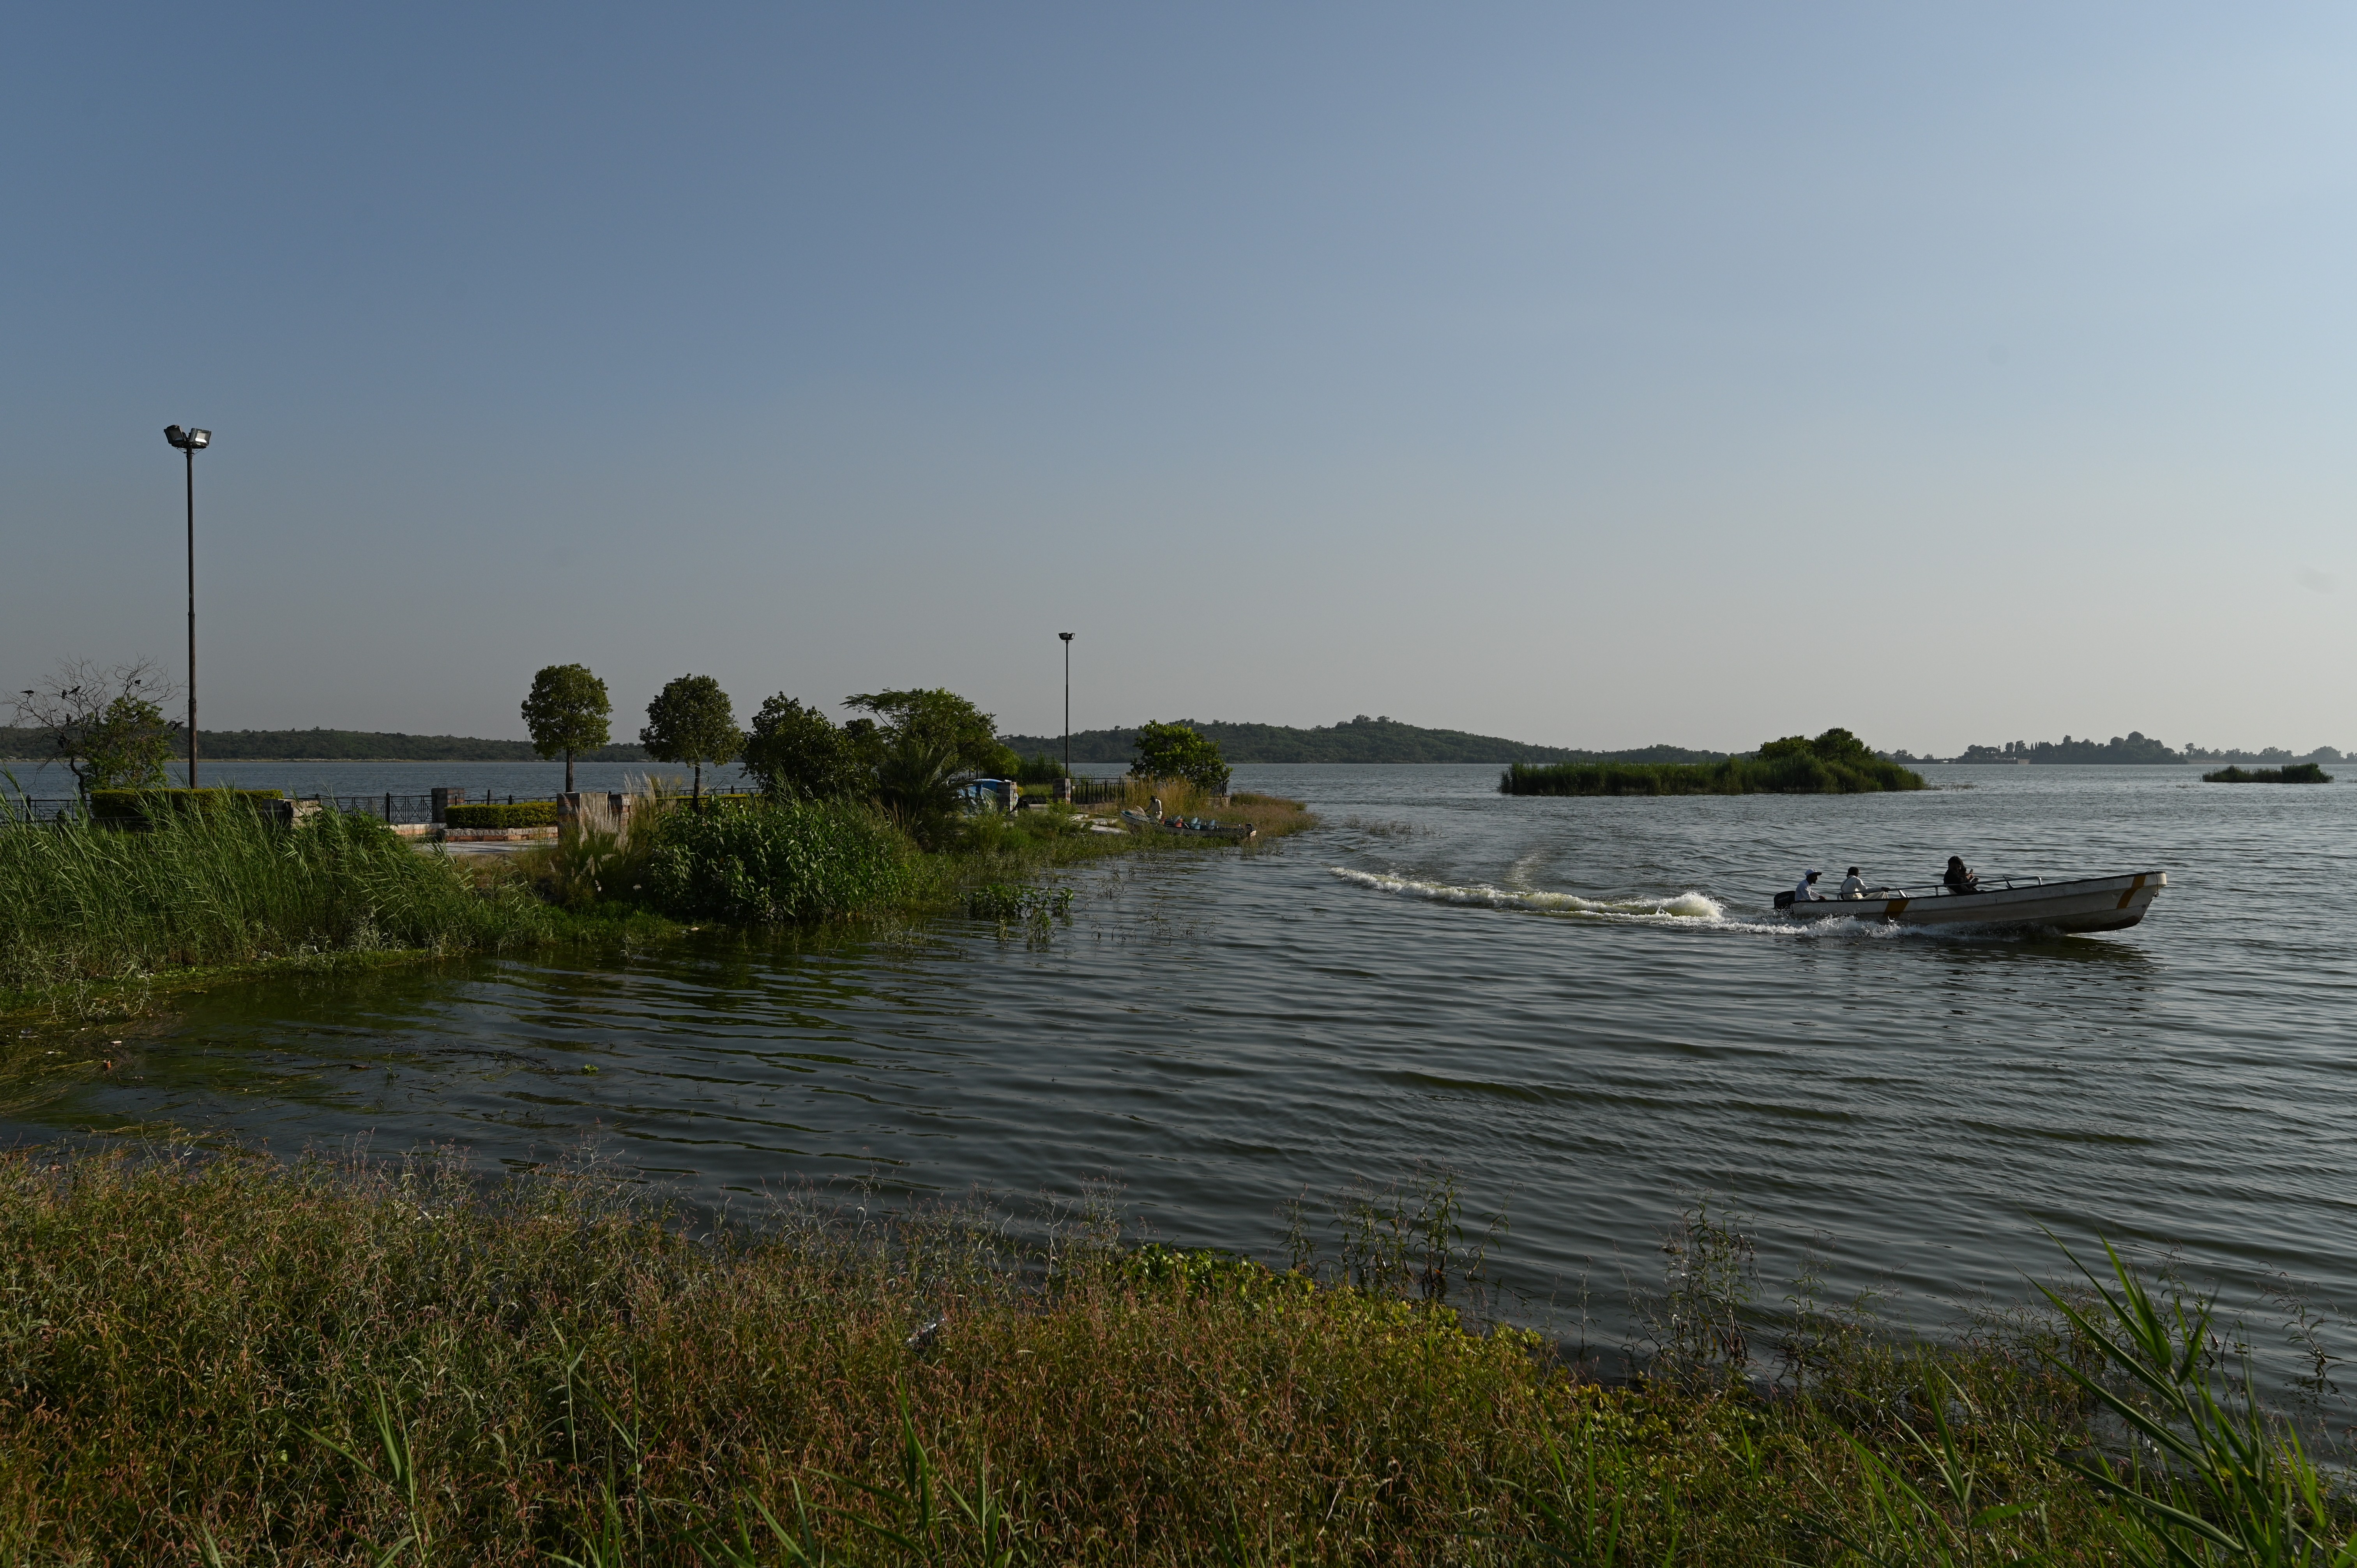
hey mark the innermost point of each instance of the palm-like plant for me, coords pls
(912, 782)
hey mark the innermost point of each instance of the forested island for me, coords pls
(1835, 763)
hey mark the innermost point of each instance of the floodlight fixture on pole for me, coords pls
(190, 442)
(1068, 704)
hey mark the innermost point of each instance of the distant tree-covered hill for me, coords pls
(340, 745)
(1362, 739)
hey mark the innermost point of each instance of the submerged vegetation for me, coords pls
(1835, 763)
(226, 1360)
(2292, 773)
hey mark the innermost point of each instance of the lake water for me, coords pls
(1223, 1031)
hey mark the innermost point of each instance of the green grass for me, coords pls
(2294, 773)
(226, 1360)
(1788, 775)
(86, 905)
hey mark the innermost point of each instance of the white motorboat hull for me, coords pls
(2086, 904)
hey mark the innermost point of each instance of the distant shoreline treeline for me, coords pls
(337, 745)
(1362, 739)
(2134, 747)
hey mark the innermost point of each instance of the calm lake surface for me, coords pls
(1581, 1006)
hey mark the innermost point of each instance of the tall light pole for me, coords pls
(1067, 702)
(190, 442)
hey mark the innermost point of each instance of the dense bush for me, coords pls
(529, 814)
(1176, 751)
(150, 806)
(88, 902)
(774, 860)
(1039, 770)
(2292, 773)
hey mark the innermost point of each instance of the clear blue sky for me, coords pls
(1594, 375)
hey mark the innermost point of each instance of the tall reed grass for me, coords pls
(774, 860)
(82, 902)
(222, 1360)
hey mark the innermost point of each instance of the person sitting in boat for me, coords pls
(1853, 885)
(1805, 890)
(1960, 878)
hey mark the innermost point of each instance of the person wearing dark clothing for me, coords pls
(1960, 878)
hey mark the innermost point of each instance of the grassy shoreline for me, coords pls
(224, 1360)
(100, 922)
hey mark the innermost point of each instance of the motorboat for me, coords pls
(2078, 904)
(1192, 827)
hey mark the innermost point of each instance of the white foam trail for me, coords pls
(1684, 906)
(1686, 909)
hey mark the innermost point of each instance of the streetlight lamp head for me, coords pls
(176, 435)
(200, 438)
(189, 440)
(1065, 635)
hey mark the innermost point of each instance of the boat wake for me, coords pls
(1689, 910)
(1684, 907)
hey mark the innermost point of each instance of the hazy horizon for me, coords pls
(1587, 377)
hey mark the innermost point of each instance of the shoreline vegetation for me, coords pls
(1835, 763)
(220, 1359)
(161, 890)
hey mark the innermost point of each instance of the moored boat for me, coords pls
(1193, 827)
(2079, 904)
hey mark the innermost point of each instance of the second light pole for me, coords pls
(1068, 705)
(190, 442)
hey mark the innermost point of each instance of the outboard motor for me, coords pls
(1784, 899)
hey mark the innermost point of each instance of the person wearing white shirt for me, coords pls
(1805, 890)
(1853, 885)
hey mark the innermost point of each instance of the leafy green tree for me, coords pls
(939, 719)
(690, 720)
(799, 753)
(1836, 745)
(566, 712)
(105, 724)
(1175, 751)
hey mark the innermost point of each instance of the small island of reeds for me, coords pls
(1835, 763)
(2295, 773)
